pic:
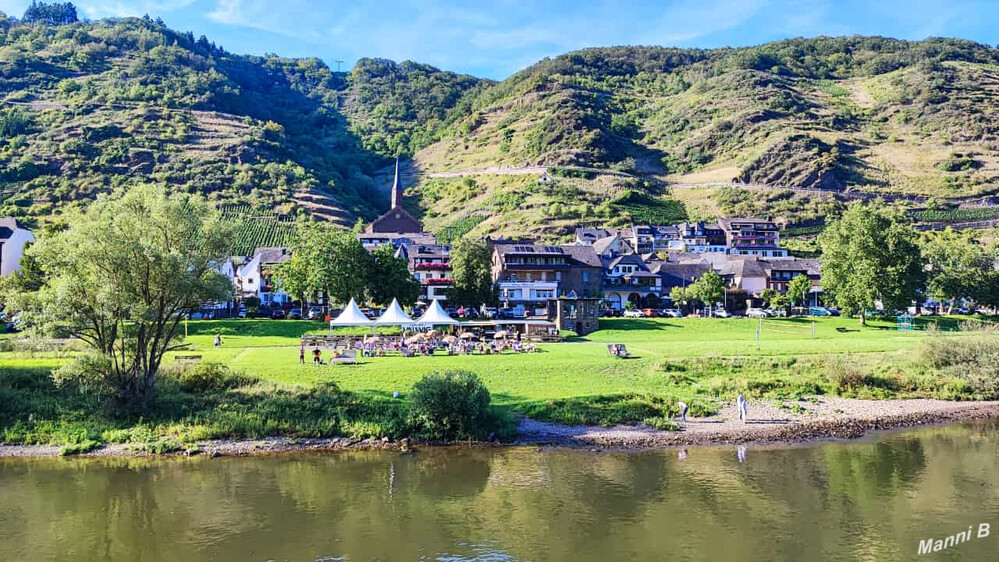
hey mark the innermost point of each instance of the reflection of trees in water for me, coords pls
(854, 498)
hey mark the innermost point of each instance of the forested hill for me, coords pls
(839, 114)
(87, 107)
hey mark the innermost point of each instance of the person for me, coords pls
(741, 453)
(218, 340)
(317, 357)
(301, 355)
(682, 455)
(683, 411)
(740, 403)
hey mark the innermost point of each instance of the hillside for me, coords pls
(841, 115)
(626, 133)
(86, 108)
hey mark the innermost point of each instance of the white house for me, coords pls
(13, 239)
(253, 279)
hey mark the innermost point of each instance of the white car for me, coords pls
(722, 313)
(633, 314)
(672, 313)
(756, 313)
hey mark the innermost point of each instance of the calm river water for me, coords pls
(868, 500)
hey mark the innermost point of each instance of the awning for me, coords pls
(394, 315)
(435, 316)
(351, 316)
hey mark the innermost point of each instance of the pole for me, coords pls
(813, 329)
(759, 334)
(186, 317)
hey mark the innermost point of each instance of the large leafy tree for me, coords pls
(958, 266)
(390, 278)
(471, 266)
(120, 278)
(871, 255)
(326, 258)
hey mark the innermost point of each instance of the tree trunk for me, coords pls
(863, 317)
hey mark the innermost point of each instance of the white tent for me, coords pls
(394, 315)
(351, 316)
(435, 316)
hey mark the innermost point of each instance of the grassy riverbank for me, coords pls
(705, 362)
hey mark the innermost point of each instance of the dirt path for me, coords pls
(828, 417)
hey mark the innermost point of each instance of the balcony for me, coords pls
(444, 281)
(431, 266)
(528, 290)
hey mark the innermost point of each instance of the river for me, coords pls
(874, 499)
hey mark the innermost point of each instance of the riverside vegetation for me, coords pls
(251, 389)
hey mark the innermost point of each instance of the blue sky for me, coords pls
(495, 38)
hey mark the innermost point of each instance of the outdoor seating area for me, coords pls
(434, 333)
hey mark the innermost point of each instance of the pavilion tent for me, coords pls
(435, 316)
(351, 316)
(394, 315)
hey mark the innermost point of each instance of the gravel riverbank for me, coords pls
(820, 418)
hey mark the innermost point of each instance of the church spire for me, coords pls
(396, 188)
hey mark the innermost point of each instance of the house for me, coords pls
(696, 237)
(431, 265)
(255, 277)
(628, 278)
(529, 275)
(752, 237)
(678, 274)
(612, 246)
(587, 236)
(13, 239)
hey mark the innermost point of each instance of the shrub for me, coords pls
(661, 424)
(450, 405)
(90, 374)
(210, 377)
(974, 359)
(845, 377)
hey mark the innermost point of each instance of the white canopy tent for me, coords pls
(394, 315)
(351, 316)
(435, 316)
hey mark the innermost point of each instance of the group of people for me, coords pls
(425, 347)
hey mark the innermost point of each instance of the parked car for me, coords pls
(491, 312)
(278, 314)
(241, 313)
(756, 313)
(634, 314)
(722, 313)
(818, 311)
(778, 312)
(295, 314)
(650, 313)
(671, 313)
(315, 312)
(833, 311)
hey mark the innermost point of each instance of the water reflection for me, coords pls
(871, 500)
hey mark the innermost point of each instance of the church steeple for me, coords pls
(396, 188)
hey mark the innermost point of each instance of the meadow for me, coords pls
(704, 362)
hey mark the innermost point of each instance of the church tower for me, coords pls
(396, 189)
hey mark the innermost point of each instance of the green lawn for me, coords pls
(702, 361)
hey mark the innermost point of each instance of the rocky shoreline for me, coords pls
(831, 418)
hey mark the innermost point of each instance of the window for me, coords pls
(586, 276)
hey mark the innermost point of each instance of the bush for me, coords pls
(662, 424)
(90, 374)
(845, 377)
(210, 377)
(450, 405)
(974, 359)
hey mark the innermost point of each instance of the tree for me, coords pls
(50, 14)
(121, 276)
(709, 288)
(389, 278)
(471, 267)
(871, 255)
(326, 258)
(773, 298)
(798, 289)
(680, 297)
(958, 265)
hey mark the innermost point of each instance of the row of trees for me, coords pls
(873, 256)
